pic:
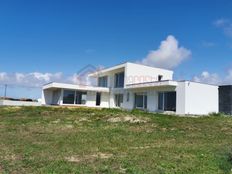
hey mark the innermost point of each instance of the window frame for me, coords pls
(74, 96)
(103, 81)
(118, 98)
(118, 79)
(144, 100)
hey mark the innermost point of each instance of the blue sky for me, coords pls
(57, 38)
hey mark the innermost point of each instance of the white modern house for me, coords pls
(134, 86)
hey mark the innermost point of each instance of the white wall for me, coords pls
(18, 103)
(91, 99)
(56, 96)
(104, 100)
(196, 98)
(136, 73)
(46, 97)
(180, 98)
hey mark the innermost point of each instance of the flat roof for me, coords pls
(152, 84)
(54, 85)
(123, 65)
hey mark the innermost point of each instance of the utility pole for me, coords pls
(5, 91)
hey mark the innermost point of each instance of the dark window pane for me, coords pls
(118, 99)
(128, 96)
(160, 77)
(119, 80)
(102, 81)
(139, 101)
(160, 101)
(170, 104)
(167, 101)
(68, 97)
(80, 97)
(145, 101)
(98, 99)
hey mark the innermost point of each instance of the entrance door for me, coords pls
(98, 99)
(118, 100)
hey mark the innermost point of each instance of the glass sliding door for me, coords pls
(141, 100)
(81, 97)
(161, 101)
(74, 97)
(167, 101)
(68, 97)
(118, 100)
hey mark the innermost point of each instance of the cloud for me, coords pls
(225, 25)
(46, 77)
(19, 77)
(169, 54)
(3, 76)
(38, 79)
(206, 77)
(221, 22)
(214, 78)
(34, 79)
(207, 44)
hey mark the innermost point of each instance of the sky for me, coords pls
(47, 40)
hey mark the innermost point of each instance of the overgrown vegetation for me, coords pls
(83, 140)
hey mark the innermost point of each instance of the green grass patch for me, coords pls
(85, 140)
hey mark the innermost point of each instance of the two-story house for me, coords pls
(134, 86)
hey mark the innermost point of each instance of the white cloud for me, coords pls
(74, 79)
(225, 25)
(38, 79)
(221, 22)
(3, 76)
(168, 55)
(19, 77)
(206, 77)
(214, 78)
(46, 77)
(34, 79)
(208, 44)
(228, 78)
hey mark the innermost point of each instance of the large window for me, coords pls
(68, 97)
(74, 97)
(167, 101)
(141, 100)
(118, 99)
(119, 80)
(102, 81)
(81, 97)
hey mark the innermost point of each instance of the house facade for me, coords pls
(134, 86)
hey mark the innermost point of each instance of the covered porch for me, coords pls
(77, 95)
(154, 96)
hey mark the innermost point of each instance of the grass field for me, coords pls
(81, 140)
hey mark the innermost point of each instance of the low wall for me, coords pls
(18, 103)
